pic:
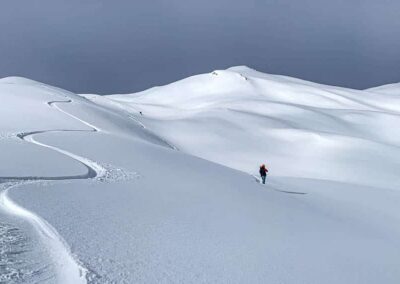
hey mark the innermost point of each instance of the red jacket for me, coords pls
(263, 171)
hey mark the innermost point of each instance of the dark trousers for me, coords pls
(263, 179)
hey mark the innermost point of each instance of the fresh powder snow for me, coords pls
(162, 186)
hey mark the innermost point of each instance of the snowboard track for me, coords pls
(72, 270)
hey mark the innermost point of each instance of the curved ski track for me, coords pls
(70, 269)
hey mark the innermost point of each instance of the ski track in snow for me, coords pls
(70, 270)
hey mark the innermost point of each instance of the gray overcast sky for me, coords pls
(119, 46)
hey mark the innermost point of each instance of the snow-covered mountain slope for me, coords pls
(96, 192)
(390, 89)
(240, 118)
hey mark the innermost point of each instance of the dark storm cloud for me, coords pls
(125, 46)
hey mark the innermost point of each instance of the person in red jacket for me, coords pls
(263, 173)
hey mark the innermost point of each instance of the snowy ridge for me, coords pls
(294, 125)
(390, 89)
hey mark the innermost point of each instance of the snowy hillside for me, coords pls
(240, 117)
(157, 187)
(391, 89)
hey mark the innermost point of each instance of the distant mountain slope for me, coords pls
(240, 117)
(390, 89)
(243, 82)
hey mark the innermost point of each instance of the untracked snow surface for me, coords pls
(161, 186)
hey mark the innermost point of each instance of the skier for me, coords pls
(263, 173)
